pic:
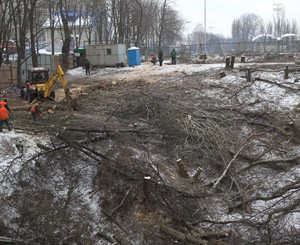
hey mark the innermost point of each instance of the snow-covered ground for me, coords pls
(259, 94)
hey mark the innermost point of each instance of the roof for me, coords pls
(133, 48)
(75, 18)
(264, 36)
(276, 38)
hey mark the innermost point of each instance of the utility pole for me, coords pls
(188, 31)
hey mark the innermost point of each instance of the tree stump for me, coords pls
(198, 172)
(222, 74)
(147, 188)
(286, 72)
(227, 62)
(248, 75)
(182, 170)
(232, 62)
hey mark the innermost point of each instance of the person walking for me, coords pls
(173, 56)
(35, 112)
(87, 66)
(4, 116)
(160, 57)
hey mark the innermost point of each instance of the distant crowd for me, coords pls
(161, 57)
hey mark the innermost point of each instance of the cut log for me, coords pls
(180, 236)
(43, 147)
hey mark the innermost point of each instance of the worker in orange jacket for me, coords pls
(35, 112)
(4, 104)
(4, 116)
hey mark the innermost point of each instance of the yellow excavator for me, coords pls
(39, 85)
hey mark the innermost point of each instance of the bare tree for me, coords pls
(269, 28)
(6, 15)
(138, 36)
(161, 23)
(279, 21)
(21, 23)
(32, 29)
(294, 27)
(246, 27)
(51, 5)
(63, 8)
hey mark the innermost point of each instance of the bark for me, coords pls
(137, 41)
(33, 37)
(67, 34)
(162, 20)
(6, 21)
(52, 24)
(20, 19)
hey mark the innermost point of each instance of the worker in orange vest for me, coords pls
(35, 112)
(4, 104)
(4, 116)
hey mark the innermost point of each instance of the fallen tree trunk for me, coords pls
(276, 194)
(193, 239)
(29, 106)
(180, 236)
(269, 162)
(275, 83)
(91, 130)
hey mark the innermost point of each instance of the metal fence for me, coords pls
(8, 75)
(229, 48)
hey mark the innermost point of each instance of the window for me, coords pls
(108, 51)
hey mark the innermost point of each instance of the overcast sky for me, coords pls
(221, 13)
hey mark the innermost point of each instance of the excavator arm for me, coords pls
(52, 80)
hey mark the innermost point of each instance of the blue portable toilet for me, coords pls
(134, 56)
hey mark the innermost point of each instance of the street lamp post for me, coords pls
(210, 36)
(205, 26)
